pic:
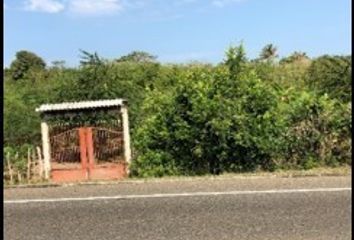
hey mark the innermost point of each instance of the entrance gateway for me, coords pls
(93, 147)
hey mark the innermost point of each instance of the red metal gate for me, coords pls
(87, 153)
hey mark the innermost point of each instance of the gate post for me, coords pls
(46, 149)
(90, 152)
(83, 148)
(126, 135)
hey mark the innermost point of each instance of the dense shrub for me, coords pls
(332, 75)
(21, 123)
(284, 75)
(196, 118)
(318, 131)
(210, 123)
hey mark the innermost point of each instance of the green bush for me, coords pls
(210, 123)
(332, 75)
(189, 119)
(285, 75)
(317, 131)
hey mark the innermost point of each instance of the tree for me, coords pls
(138, 56)
(7, 73)
(90, 59)
(235, 59)
(24, 63)
(58, 64)
(331, 75)
(268, 53)
(296, 57)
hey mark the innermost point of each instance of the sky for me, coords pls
(176, 31)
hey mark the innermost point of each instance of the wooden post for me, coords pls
(9, 167)
(46, 149)
(28, 164)
(40, 162)
(126, 135)
(33, 162)
(19, 177)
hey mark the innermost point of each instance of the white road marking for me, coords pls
(165, 195)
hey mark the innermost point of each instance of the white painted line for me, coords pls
(165, 195)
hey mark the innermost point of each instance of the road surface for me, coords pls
(231, 208)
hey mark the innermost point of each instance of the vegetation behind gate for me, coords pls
(187, 119)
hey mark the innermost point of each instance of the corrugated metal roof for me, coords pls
(81, 105)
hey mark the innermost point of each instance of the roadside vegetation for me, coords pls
(241, 115)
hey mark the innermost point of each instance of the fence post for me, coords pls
(40, 162)
(33, 161)
(9, 167)
(17, 170)
(28, 164)
(46, 149)
(19, 177)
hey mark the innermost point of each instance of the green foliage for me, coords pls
(90, 59)
(235, 59)
(17, 156)
(189, 119)
(25, 63)
(332, 75)
(296, 57)
(21, 123)
(216, 122)
(137, 56)
(268, 53)
(285, 75)
(58, 64)
(318, 131)
(98, 79)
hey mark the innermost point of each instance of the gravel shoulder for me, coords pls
(221, 184)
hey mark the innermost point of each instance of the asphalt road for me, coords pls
(239, 208)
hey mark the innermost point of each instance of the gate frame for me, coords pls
(72, 106)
